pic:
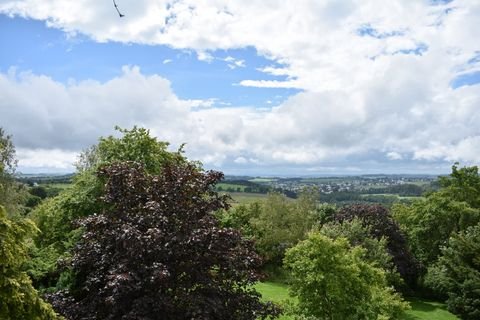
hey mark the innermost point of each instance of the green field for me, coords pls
(247, 198)
(57, 185)
(421, 310)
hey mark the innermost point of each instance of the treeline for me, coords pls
(404, 190)
(47, 179)
(251, 187)
(248, 186)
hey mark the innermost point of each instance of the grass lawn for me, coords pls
(421, 310)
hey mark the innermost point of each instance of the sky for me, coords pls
(261, 87)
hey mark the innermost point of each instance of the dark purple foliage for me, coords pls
(159, 253)
(381, 224)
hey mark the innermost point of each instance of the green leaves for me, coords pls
(18, 298)
(333, 281)
(457, 273)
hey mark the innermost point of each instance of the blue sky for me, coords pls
(35, 47)
(262, 88)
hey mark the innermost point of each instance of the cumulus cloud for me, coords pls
(42, 113)
(54, 160)
(306, 130)
(375, 78)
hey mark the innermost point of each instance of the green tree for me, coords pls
(457, 273)
(376, 251)
(429, 223)
(462, 185)
(281, 224)
(332, 280)
(12, 194)
(135, 145)
(18, 298)
(8, 161)
(381, 224)
(240, 217)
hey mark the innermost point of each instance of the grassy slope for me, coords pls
(421, 310)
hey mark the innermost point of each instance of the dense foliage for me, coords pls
(18, 298)
(279, 226)
(157, 252)
(442, 230)
(12, 194)
(8, 161)
(332, 280)
(55, 217)
(429, 223)
(375, 249)
(462, 185)
(457, 273)
(381, 225)
(277, 223)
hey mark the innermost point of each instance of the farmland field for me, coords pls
(246, 198)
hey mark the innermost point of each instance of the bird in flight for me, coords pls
(116, 7)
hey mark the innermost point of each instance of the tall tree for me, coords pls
(18, 298)
(430, 222)
(457, 273)
(462, 185)
(158, 252)
(12, 194)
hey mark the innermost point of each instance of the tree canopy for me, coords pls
(430, 222)
(382, 225)
(18, 298)
(457, 273)
(12, 194)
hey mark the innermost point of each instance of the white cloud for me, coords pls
(386, 92)
(205, 56)
(165, 61)
(270, 84)
(240, 160)
(233, 63)
(394, 155)
(307, 130)
(47, 159)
